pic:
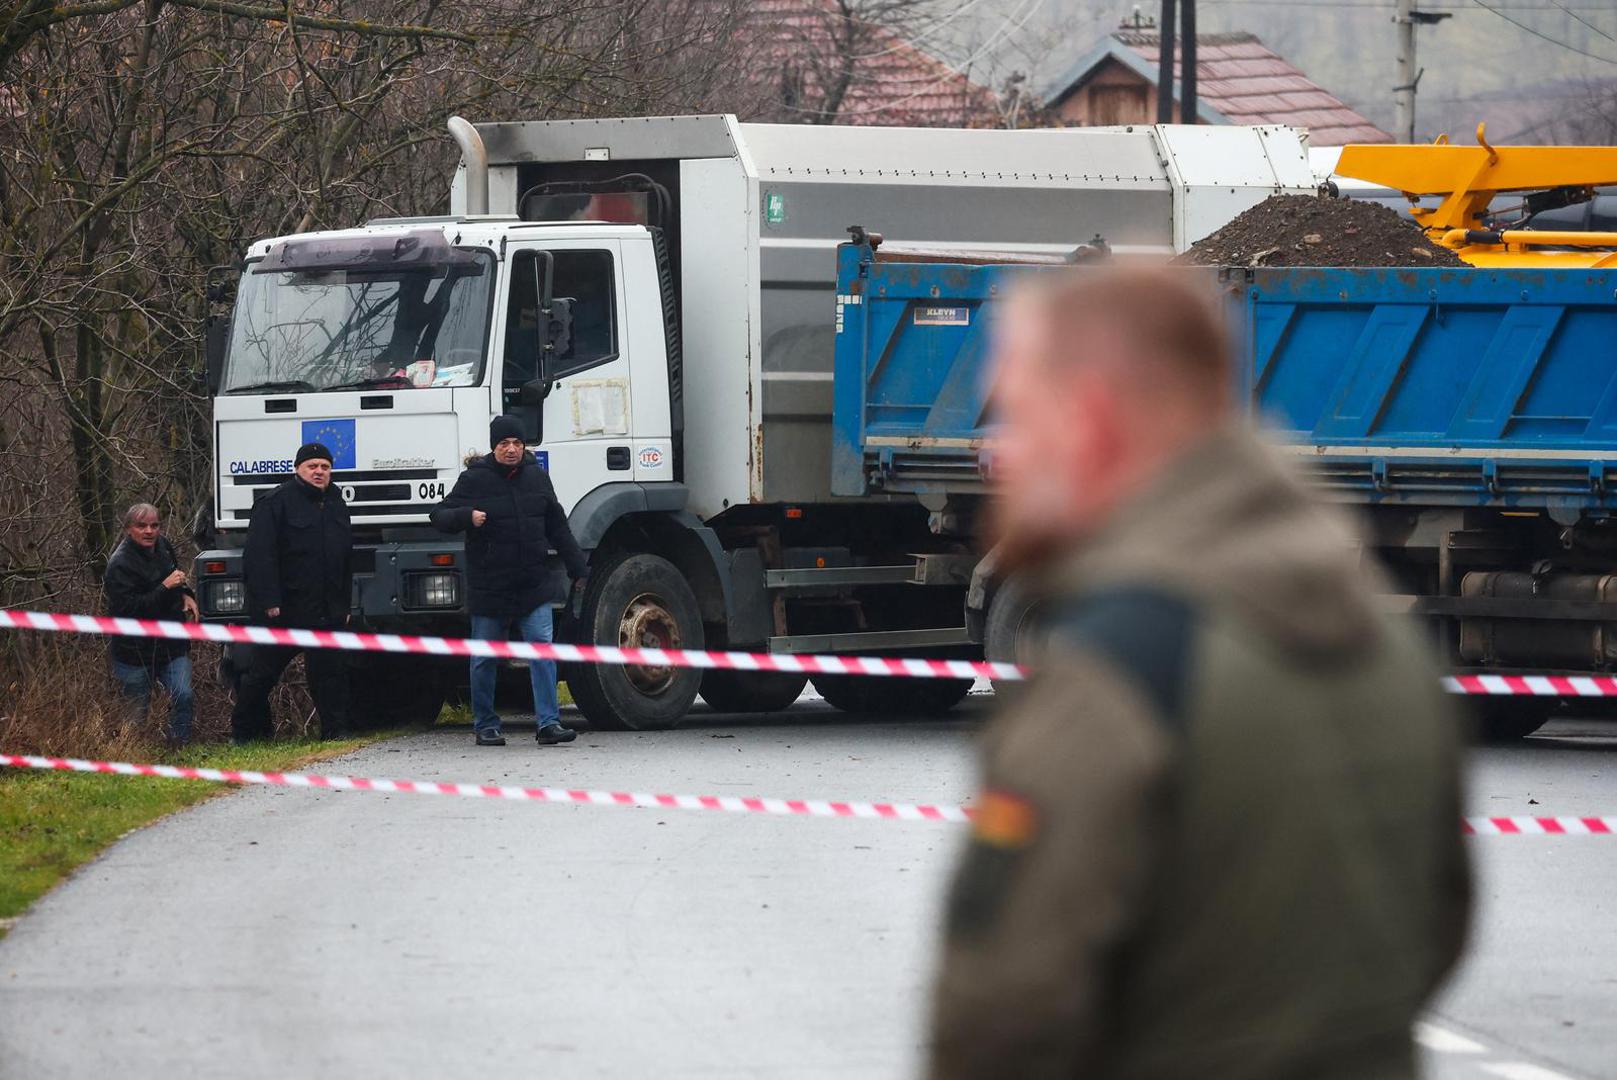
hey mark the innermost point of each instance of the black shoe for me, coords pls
(490, 738)
(551, 734)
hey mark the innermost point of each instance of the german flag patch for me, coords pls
(1005, 820)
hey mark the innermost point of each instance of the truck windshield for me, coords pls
(361, 328)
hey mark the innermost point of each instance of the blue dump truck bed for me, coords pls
(1455, 387)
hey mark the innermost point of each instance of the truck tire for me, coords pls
(637, 601)
(751, 691)
(885, 695)
(1010, 629)
(397, 691)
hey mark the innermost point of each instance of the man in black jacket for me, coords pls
(298, 566)
(144, 581)
(507, 506)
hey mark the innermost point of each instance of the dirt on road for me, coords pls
(1311, 230)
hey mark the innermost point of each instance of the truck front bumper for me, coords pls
(393, 583)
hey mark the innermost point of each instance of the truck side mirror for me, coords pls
(216, 341)
(533, 392)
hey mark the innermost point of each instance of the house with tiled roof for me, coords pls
(1240, 80)
(813, 63)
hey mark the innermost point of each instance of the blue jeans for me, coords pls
(175, 677)
(534, 626)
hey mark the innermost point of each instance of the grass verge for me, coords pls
(51, 823)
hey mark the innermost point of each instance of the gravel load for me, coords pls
(1313, 230)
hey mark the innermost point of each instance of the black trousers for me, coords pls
(327, 670)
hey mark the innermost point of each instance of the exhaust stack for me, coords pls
(475, 156)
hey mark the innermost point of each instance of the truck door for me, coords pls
(581, 428)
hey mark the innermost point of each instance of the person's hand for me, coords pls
(478, 517)
(174, 580)
(192, 612)
(274, 612)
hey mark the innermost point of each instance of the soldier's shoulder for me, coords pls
(1146, 635)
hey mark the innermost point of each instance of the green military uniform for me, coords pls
(1220, 830)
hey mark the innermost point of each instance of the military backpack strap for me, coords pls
(1148, 634)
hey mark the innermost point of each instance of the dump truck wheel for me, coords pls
(1011, 629)
(751, 691)
(637, 601)
(886, 695)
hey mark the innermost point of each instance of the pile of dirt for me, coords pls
(1314, 230)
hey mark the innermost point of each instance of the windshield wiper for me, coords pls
(295, 385)
(396, 381)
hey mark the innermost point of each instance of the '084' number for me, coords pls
(432, 489)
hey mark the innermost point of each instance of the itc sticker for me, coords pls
(943, 316)
(651, 457)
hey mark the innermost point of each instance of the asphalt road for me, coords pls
(311, 933)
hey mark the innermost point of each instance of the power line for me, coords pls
(1584, 21)
(914, 40)
(1539, 34)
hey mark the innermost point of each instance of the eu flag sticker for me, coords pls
(337, 436)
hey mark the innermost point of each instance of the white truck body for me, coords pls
(687, 406)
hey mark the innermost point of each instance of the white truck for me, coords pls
(654, 299)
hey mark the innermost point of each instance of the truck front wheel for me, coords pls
(637, 601)
(751, 691)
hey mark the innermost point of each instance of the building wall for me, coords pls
(1114, 95)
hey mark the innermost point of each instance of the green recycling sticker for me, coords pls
(774, 207)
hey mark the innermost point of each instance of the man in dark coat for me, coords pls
(299, 571)
(507, 506)
(144, 581)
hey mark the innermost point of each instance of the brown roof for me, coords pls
(893, 82)
(1239, 80)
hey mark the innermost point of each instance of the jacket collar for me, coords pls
(1230, 522)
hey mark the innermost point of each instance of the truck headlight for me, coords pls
(431, 590)
(228, 597)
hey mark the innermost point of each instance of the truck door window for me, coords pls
(585, 279)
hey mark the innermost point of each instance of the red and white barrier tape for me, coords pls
(734, 804)
(901, 667)
(1534, 685)
(907, 667)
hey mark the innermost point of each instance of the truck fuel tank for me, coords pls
(1581, 644)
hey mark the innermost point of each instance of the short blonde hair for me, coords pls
(1164, 316)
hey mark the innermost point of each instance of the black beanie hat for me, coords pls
(504, 427)
(312, 450)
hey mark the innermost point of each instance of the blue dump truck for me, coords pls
(1469, 414)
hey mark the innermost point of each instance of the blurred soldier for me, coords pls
(1220, 831)
(299, 573)
(508, 508)
(144, 581)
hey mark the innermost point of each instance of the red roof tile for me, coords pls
(893, 82)
(1243, 81)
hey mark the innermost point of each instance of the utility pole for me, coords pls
(1170, 16)
(1187, 62)
(1407, 18)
